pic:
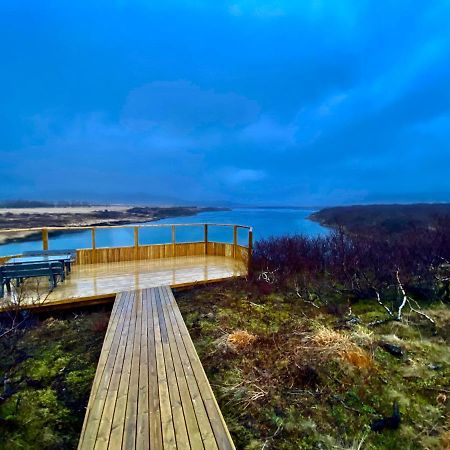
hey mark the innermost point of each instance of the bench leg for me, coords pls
(2, 289)
(51, 280)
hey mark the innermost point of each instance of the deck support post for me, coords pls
(173, 241)
(206, 238)
(250, 251)
(44, 239)
(234, 241)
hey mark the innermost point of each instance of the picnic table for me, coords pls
(65, 258)
(53, 265)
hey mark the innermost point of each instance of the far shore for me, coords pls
(84, 216)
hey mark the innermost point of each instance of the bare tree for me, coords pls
(15, 306)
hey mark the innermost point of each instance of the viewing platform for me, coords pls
(100, 272)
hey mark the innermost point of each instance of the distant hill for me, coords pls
(13, 204)
(363, 219)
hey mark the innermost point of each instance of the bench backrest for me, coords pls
(31, 269)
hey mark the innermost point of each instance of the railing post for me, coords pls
(206, 238)
(173, 240)
(136, 236)
(234, 241)
(136, 242)
(44, 239)
(94, 246)
(250, 251)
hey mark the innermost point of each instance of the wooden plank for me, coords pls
(101, 385)
(194, 388)
(118, 421)
(149, 252)
(188, 397)
(44, 239)
(136, 236)
(130, 427)
(104, 431)
(218, 424)
(154, 225)
(168, 431)
(154, 404)
(112, 325)
(143, 419)
(107, 351)
(175, 400)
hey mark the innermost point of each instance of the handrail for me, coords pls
(155, 225)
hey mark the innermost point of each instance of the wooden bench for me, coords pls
(19, 272)
(150, 390)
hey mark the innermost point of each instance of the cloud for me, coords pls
(185, 106)
(238, 176)
(266, 131)
(262, 11)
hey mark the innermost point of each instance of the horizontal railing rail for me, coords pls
(156, 225)
(137, 250)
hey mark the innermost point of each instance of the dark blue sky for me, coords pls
(250, 102)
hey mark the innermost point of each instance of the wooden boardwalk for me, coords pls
(150, 390)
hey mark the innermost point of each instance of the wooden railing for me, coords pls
(137, 251)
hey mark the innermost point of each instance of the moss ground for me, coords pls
(46, 374)
(286, 374)
(311, 379)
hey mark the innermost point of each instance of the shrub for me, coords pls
(355, 267)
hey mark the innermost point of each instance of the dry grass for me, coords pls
(445, 440)
(358, 358)
(326, 343)
(240, 339)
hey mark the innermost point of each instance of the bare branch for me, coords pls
(382, 304)
(405, 298)
(407, 301)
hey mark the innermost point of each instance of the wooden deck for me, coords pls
(150, 390)
(93, 282)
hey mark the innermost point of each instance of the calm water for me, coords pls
(266, 222)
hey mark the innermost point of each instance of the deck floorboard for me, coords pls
(91, 282)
